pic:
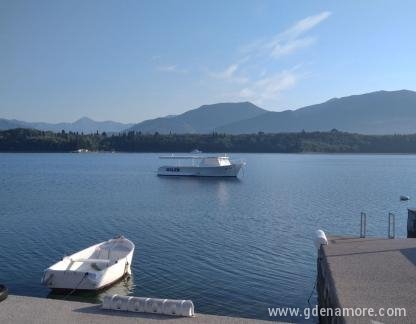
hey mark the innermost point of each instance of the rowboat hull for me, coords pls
(93, 268)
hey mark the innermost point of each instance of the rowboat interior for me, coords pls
(95, 258)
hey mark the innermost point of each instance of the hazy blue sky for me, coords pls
(132, 60)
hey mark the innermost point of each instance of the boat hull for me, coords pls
(62, 276)
(191, 171)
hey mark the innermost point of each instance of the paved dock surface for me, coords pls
(22, 310)
(371, 272)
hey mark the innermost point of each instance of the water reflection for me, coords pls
(123, 287)
(200, 179)
(219, 186)
(222, 193)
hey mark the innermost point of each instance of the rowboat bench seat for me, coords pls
(91, 260)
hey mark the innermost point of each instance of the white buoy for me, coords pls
(320, 239)
(149, 305)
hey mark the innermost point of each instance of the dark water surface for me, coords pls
(235, 247)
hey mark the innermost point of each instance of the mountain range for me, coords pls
(205, 119)
(82, 125)
(380, 112)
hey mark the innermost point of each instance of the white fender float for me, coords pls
(320, 239)
(149, 305)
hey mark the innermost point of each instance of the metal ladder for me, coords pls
(363, 225)
(391, 228)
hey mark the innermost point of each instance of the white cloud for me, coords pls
(289, 47)
(290, 40)
(230, 73)
(171, 68)
(257, 77)
(268, 88)
(304, 25)
(227, 74)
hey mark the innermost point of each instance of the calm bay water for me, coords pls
(235, 247)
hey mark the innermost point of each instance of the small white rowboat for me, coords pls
(93, 268)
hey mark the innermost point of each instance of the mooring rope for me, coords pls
(76, 287)
(313, 289)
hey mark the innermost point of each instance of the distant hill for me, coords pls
(204, 119)
(381, 112)
(82, 125)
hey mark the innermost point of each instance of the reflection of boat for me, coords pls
(93, 268)
(124, 286)
(200, 166)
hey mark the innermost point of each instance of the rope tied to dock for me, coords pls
(313, 289)
(4, 292)
(76, 287)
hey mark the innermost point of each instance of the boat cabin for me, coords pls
(199, 161)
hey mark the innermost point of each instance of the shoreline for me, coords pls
(209, 152)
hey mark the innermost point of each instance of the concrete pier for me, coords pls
(22, 310)
(377, 273)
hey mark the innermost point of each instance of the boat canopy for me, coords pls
(192, 157)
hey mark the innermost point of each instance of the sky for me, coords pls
(129, 61)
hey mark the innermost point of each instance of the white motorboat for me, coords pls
(93, 268)
(200, 166)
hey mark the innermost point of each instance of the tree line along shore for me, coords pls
(31, 140)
